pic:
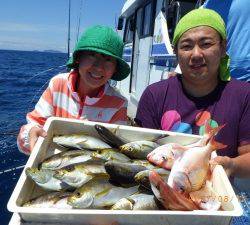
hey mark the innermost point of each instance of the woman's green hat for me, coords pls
(104, 40)
(204, 17)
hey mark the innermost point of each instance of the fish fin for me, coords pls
(209, 132)
(217, 129)
(212, 130)
(216, 145)
(208, 128)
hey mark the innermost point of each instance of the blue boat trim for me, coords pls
(166, 61)
(159, 49)
(159, 55)
(127, 58)
(127, 51)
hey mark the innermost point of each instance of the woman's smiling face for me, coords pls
(96, 69)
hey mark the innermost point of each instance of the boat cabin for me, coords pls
(147, 28)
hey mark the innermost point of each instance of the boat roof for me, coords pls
(130, 6)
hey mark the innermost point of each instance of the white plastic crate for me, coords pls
(26, 189)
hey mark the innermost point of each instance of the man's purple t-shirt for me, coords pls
(165, 105)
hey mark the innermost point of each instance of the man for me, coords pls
(203, 92)
(235, 14)
(84, 93)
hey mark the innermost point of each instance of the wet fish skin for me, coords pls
(70, 157)
(142, 177)
(168, 197)
(83, 197)
(123, 172)
(206, 198)
(111, 154)
(142, 162)
(138, 149)
(80, 141)
(190, 171)
(165, 155)
(109, 137)
(78, 174)
(50, 200)
(138, 201)
(45, 179)
(98, 193)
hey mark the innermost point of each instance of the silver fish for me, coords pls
(109, 137)
(142, 177)
(138, 149)
(80, 141)
(78, 174)
(67, 158)
(123, 172)
(50, 200)
(99, 193)
(45, 179)
(136, 202)
(111, 155)
(144, 163)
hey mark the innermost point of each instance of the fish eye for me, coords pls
(182, 189)
(70, 168)
(78, 194)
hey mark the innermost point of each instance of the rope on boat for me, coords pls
(11, 169)
(50, 69)
(41, 88)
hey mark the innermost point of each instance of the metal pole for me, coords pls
(69, 30)
(79, 21)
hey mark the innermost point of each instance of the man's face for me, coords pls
(96, 69)
(199, 52)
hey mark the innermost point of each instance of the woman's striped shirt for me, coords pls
(61, 99)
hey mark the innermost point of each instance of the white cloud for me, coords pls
(16, 43)
(23, 27)
(23, 36)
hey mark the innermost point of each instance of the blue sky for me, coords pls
(43, 24)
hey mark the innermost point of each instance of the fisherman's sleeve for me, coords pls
(120, 117)
(145, 115)
(244, 125)
(42, 111)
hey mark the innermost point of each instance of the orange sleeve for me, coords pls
(37, 117)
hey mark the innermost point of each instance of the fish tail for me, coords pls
(210, 132)
(217, 129)
(208, 128)
(216, 145)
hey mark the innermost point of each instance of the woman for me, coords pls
(84, 92)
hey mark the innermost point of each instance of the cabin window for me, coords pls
(129, 30)
(147, 20)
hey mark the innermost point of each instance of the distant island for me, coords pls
(52, 51)
(46, 51)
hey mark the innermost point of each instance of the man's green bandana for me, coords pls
(204, 17)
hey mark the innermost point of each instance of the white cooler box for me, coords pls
(26, 189)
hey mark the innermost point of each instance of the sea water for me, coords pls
(23, 77)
